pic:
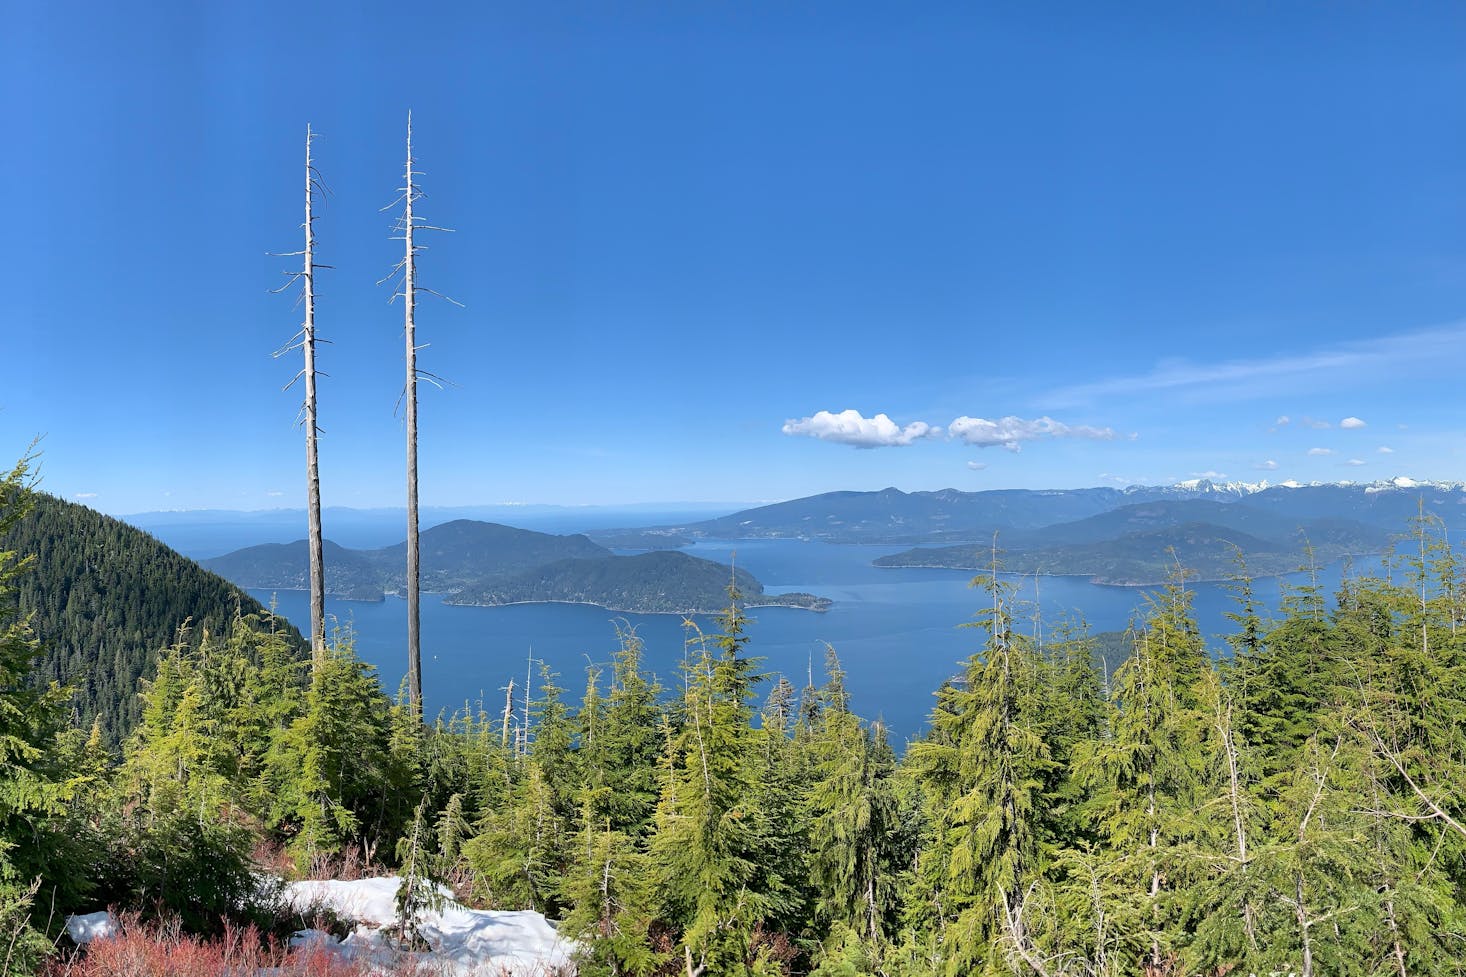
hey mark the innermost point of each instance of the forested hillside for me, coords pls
(105, 598)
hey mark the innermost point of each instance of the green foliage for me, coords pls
(174, 864)
(1296, 808)
(417, 886)
(38, 778)
(328, 769)
(103, 598)
(711, 833)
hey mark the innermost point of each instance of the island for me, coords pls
(487, 564)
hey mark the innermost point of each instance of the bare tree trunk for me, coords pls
(409, 295)
(312, 468)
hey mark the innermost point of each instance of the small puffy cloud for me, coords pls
(85, 495)
(1385, 449)
(1010, 432)
(1282, 421)
(977, 466)
(1320, 451)
(1351, 424)
(1356, 462)
(1316, 424)
(1266, 466)
(852, 428)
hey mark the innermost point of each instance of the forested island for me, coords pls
(488, 564)
(658, 582)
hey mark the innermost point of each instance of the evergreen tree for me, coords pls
(852, 810)
(613, 894)
(1149, 776)
(36, 785)
(987, 773)
(328, 776)
(711, 836)
(417, 885)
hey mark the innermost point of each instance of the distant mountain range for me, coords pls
(949, 515)
(1132, 535)
(487, 563)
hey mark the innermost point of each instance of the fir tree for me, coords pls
(988, 771)
(711, 835)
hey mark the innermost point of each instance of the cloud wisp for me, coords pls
(1352, 424)
(1368, 360)
(1011, 432)
(853, 428)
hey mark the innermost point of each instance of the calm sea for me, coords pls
(898, 632)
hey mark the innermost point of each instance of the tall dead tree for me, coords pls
(305, 340)
(406, 269)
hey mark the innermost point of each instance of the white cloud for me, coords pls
(1011, 432)
(1266, 466)
(1282, 420)
(1356, 462)
(1320, 451)
(1316, 424)
(977, 466)
(274, 493)
(1208, 474)
(850, 427)
(1351, 424)
(85, 495)
(1385, 449)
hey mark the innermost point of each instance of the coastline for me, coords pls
(624, 610)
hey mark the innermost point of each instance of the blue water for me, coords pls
(897, 631)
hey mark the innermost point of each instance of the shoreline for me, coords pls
(626, 610)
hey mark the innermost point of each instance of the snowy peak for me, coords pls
(1205, 486)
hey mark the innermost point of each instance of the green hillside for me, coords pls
(662, 581)
(104, 597)
(455, 555)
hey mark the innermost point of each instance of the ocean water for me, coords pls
(898, 632)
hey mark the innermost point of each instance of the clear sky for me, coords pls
(1053, 244)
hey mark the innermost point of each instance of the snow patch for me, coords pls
(92, 926)
(464, 941)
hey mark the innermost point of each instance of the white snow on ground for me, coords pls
(464, 941)
(92, 926)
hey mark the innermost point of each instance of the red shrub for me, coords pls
(161, 950)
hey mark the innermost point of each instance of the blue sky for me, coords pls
(1054, 244)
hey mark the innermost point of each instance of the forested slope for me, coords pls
(105, 597)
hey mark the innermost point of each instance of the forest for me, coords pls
(1292, 806)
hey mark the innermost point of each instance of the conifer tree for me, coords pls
(852, 810)
(711, 835)
(417, 886)
(328, 776)
(1148, 774)
(613, 894)
(630, 742)
(35, 784)
(987, 773)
